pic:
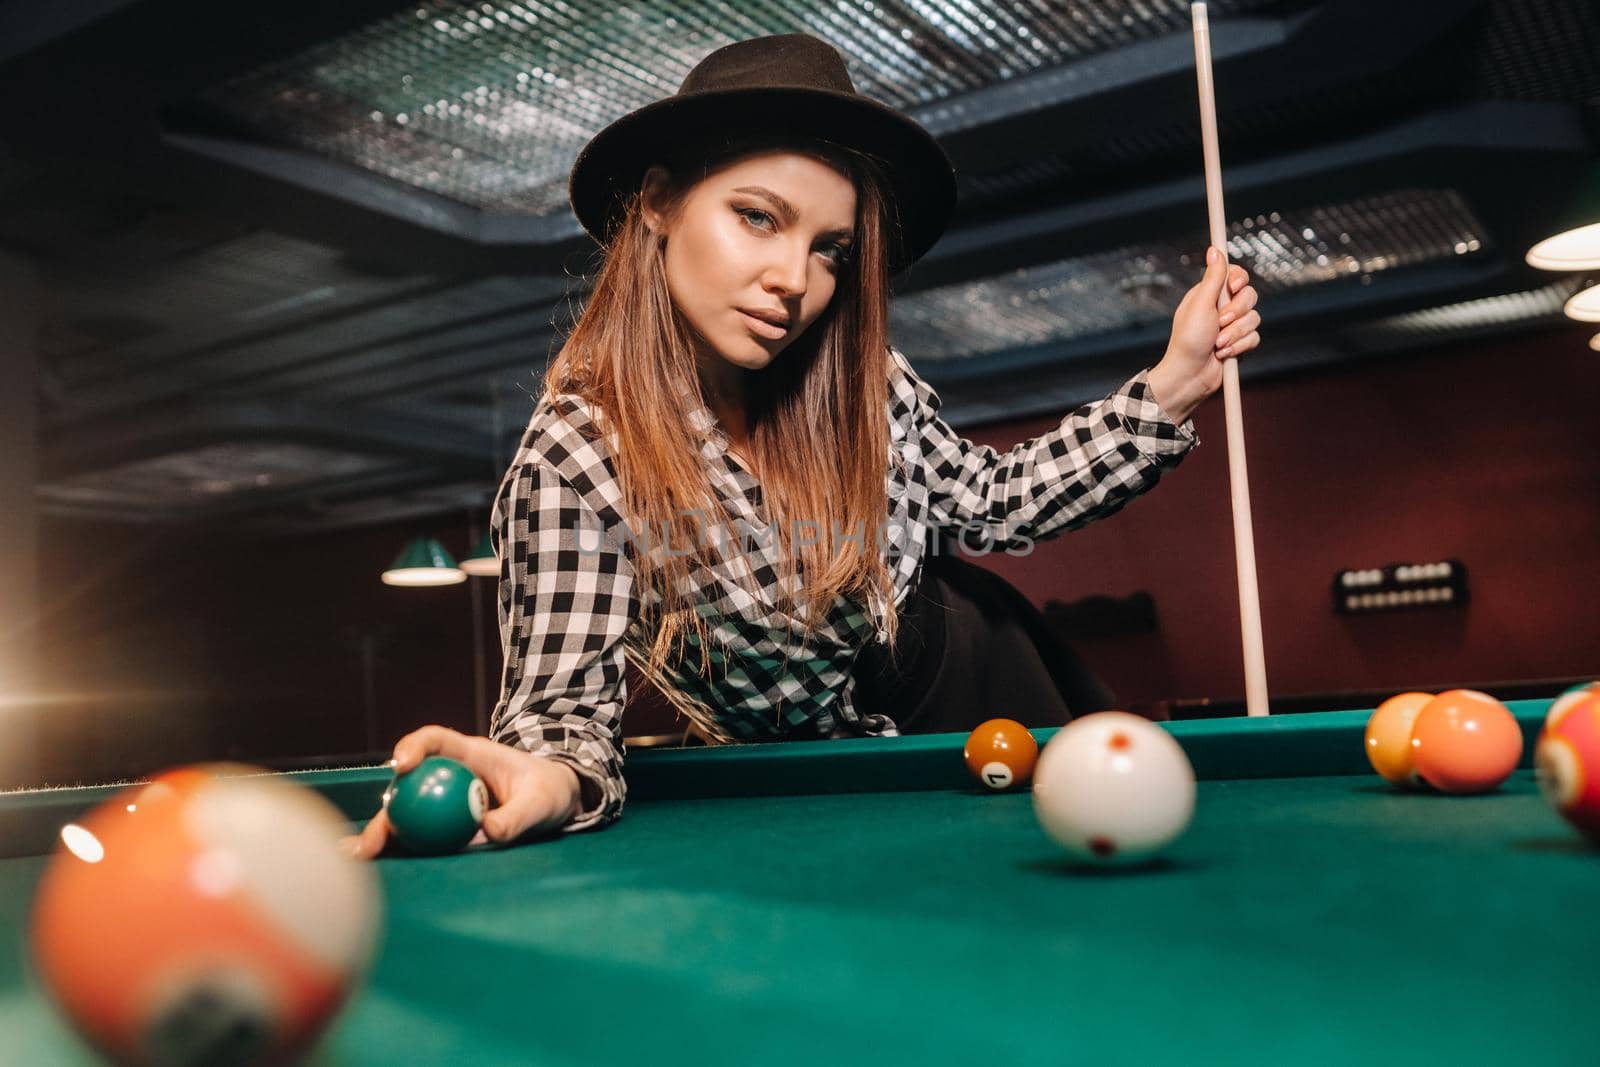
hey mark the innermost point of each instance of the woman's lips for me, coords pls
(765, 328)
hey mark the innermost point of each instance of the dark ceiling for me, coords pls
(275, 293)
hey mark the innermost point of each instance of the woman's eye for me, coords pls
(838, 254)
(755, 217)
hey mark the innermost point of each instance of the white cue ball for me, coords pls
(1113, 788)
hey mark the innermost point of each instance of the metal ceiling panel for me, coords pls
(488, 103)
(183, 481)
(1468, 317)
(1140, 285)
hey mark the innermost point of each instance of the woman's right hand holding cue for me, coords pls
(533, 796)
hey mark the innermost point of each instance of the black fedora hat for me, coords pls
(789, 83)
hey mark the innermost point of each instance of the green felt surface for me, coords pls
(1302, 920)
(1319, 743)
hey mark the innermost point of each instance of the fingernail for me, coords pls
(1226, 352)
(1211, 255)
(350, 846)
(1225, 318)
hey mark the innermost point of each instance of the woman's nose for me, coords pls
(786, 274)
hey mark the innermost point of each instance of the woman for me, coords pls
(709, 487)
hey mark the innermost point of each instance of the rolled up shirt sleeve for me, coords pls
(567, 597)
(1098, 458)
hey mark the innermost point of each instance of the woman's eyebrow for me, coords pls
(786, 209)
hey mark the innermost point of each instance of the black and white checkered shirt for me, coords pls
(569, 607)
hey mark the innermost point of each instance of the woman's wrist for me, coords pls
(1178, 397)
(573, 782)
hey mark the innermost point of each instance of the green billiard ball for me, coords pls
(436, 807)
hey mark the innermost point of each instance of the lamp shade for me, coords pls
(1585, 307)
(481, 561)
(1575, 249)
(423, 562)
(1574, 241)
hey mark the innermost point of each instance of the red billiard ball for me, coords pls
(1465, 741)
(1567, 762)
(207, 916)
(1000, 754)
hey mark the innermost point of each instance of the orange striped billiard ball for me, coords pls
(1465, 741)
(1389, 738)
(1568, 698)
(1000, 754)
(205, 917)
(1567, 761)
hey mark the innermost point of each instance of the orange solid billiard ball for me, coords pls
(1389, 738)
(1000, 754)
(1465, 742)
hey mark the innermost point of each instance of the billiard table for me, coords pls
(852, 902)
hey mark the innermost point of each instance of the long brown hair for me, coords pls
(818, 418)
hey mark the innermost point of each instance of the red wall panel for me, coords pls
(1484, 452)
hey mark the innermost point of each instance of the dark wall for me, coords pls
(170, 648)
(165, 648)
(1486, 452)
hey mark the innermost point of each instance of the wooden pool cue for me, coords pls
(1255, 660)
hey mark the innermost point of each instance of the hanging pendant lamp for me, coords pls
(423, 562)
(481, 562)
